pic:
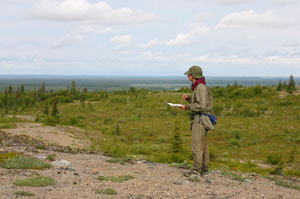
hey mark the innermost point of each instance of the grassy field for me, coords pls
(258, 127)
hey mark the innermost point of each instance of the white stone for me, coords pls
(61, 163)
(41, 157)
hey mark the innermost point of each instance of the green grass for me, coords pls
(115, 178)
(254, 125)
(119, 160)
(116, 160)
(274, 159)
(9, 122)
(235, 176)
(40, 181)
(7, 155)
(108, 191)
(283, 183)
(24, 162)
(51, 157)
(23, 193)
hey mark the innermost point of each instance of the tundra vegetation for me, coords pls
(258, 127)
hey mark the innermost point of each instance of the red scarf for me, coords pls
(198, 81)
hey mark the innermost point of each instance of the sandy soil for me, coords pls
(63, 136)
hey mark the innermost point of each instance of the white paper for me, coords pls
(171, 104)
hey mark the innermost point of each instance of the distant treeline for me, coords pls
(119, 83)
(18, 100)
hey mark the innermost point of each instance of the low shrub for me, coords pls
(235, 143)
(23, 193)
(115, 178)
(51, 121)
(119, 160)
(274, 159)
(40, 181)
(234, 175)
(108, 191)
(24, 162)
(51, 157)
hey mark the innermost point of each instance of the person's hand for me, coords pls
(184, 96)
(182, 107)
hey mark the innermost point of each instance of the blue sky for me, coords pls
(150, 37)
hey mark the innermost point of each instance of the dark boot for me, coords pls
(204, 172)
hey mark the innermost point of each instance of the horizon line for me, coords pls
(151, 75)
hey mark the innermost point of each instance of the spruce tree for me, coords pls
(22, 89)
(82, 100)
(10, 90)
(176, 141)
(291, 86)
(46, 111)
(43, 88)
(54, 109)
(73, 88)
(6, 101)
(235, 85)
(279, 86)
(85, 91)
(6, 98)
(41, 91)
(284, 85)
(10, 96)
(18, 96)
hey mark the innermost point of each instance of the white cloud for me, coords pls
(153, 42)
(122, 41)
(232, 2)
(69, 40)
(93, 28)
(234, 59)
(189, 37)
(201, 19)
(151, 56)
(284, 2)
(251, 18)
(291, 44)
(83, 10)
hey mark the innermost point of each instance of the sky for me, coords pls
(150, 37)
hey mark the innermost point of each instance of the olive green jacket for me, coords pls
(201, 101)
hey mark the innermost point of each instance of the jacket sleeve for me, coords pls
(188, 99)
(199, 104)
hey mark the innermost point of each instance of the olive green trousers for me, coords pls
(200, 147)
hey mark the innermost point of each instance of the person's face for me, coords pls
(190, 78)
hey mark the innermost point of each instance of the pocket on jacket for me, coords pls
(207, 123)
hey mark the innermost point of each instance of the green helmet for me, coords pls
(195, 71)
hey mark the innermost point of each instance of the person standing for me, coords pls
(200, 103)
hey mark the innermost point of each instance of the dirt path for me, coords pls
(61, 135)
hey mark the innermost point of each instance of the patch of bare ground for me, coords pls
(61, 135)
(283, 94)
(79, 180)
(23, 117)
(150, 180)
